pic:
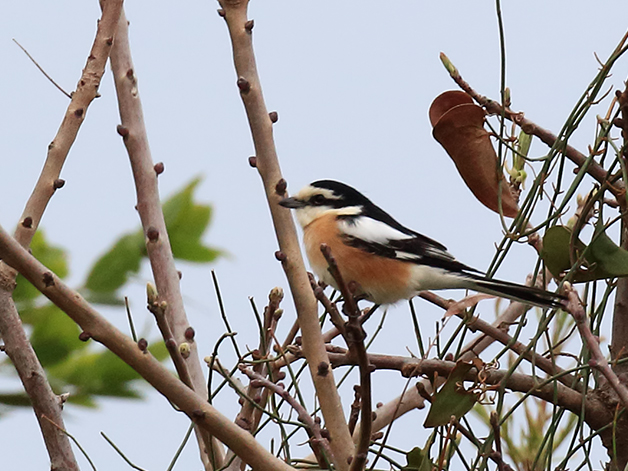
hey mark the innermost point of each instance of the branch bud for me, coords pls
(449, 66)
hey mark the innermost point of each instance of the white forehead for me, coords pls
(310, 213)
(306, 193)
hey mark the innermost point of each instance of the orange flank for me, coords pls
(387, 278)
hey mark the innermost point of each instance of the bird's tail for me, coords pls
(524, 294)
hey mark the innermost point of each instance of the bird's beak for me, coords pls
(292, 203)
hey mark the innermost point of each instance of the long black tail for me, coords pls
(525, 294)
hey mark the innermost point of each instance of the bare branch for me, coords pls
(97, 327)
(317, 442)
(158, 247)
(596, 414)
(86, 91)
(240, 30)
(597, 361)
(45, 403)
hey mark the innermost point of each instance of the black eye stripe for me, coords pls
(318, 200)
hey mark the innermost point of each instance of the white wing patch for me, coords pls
(371, 230)
(407, 256)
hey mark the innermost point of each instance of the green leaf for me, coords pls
(418, 460)
(99, 374)
(602, 258)
(451, 398)
(17, 399)
(108, 299)
(54, 336)
(611, 259)
(186, 223)
(113, 269)
(53, 257)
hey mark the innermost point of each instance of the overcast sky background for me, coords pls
(352, 82)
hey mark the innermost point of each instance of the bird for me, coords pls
(386, 261)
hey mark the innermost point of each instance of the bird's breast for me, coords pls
(383, 280)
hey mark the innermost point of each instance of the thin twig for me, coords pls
(496, 457)
(42, 70)
(317, 442)
(175, 458)
(119, 451)
(130, 319)
(355, 335)
(76, 442)
(500, 335)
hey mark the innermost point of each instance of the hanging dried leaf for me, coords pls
(458, 125)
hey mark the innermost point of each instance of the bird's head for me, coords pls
(324, 197)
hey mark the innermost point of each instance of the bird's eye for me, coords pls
(318, 200)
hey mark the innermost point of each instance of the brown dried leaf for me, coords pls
(459, 127)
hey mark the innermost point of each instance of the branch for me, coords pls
(319, 444)
(97, 327)
(354, 336)
(249, 416)
(596, 414)
(58, 149)
(597, 361)
(158, 247)
(41, 69)
(497, 333)
(44, 402)
(240, 30)
(619, 335)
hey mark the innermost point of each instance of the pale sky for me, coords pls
(352, 82)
